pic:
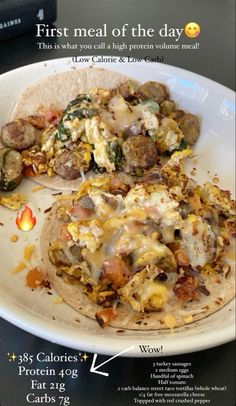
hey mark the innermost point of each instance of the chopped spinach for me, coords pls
(183, 144)
(96, 168)
(151, 105)
(81, 113)
(138, 171)
(1, 180)
(84, 112)
(78, 100)
(11, 185)
(114, 153)
(61, 130)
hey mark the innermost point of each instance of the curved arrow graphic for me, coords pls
(95, 369)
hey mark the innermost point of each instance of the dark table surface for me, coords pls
(215, 60)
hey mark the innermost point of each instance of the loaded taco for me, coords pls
(90, 120)
(146, 254)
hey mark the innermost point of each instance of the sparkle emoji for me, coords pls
(192, 30)
(11, 357)
(84, 357)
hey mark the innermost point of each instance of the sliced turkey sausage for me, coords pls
(139, 151)
(18, 134)
(153, 90)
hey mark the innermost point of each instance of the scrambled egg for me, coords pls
(151, 123)
(87, 233)
(105, 202)
(220, 199)
(48, 141)
(98, 134)
(76, 127)
(160, 207)
(143, 293)
(13, 201)
(168, 135)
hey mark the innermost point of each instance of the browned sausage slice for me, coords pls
(67, 166)
(128, 90)
(12, 170)
(18, 134)
(139, 151)
(115, 271)
(190, 127)
(153, 90)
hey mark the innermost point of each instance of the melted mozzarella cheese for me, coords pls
(165, 208)
(160, 207)
(198, 240)
(86, 233)
(153, 294)
(101, 201)
(120, 115)
(143, 293)
(95, 260)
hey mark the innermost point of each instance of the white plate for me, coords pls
(36, 311)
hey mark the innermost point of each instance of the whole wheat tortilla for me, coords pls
(221, 292)
(57, 91)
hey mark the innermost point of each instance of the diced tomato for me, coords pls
(115, 271)
(179, 254)
(186, 288)
(181, 258)
(35, 277)
(80, 212)
(52, 116)
(174, 246)
(64, 235)
(115, 184)
(29, 171)
(117, 187)
(105, 316)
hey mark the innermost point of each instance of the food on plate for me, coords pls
(19, 135)
(91, 120)
(11, 168)
(13, 201)
(36, 278)
(142, 253)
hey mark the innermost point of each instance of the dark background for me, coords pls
(211, 367)
(215, 60)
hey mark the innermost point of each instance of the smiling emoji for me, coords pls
(192, 30)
